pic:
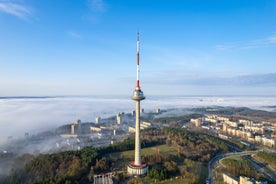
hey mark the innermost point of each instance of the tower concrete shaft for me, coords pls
(137, 160)
(137, 167)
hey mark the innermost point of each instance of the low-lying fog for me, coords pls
(32, 115)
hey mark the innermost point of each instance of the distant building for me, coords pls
(98, 120)
(157, 110)
(76, 127)
(205, 127)
(66, 136)
(197, 122)
(231, 131)
(243, 134)
(224, 127)
(258, 139)
(131, 129)
(73, 129)
(230, 179)
(133, 113)
(232, 124)
(258, 129)
(145, 125)
(270, 142)
(246, 122)
(119, 119)
(251, 139)
(103, 178)
(220, 118)
(247, 180)
(223, 136)
(211, 119)
(96, 129)
(77, 122)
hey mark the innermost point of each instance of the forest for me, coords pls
(193, 151)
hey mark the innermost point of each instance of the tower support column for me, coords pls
(137, 136)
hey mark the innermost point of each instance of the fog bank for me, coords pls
(32, 115)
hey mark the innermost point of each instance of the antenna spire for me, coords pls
(138, 63)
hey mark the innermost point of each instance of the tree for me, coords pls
(102, 165)
(171, 167)
(135, 181)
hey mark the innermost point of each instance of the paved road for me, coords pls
(263, 168)
(214, 160)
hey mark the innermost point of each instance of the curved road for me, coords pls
(214, 160)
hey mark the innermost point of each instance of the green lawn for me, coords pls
(151, 151)
(203, 174)
(120, 159)
(236, 158)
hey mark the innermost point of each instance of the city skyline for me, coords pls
(188, 48)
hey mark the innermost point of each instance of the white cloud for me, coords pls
(74, 34)
(15, 9)
(250, 44)
(97, 5)
(272, 39)
(96, 9)
(180, 57)
(179, 77)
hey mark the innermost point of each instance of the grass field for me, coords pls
(203, 172)
(236, 158)
(121, 159)
(151, 151)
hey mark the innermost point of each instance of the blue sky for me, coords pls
(87, 47)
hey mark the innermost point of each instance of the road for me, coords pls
(214, 160)
(263, 168)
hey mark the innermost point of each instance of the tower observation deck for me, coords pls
(136, 167)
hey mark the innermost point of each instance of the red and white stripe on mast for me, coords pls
(138, 63)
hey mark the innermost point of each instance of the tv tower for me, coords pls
(136, 167)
